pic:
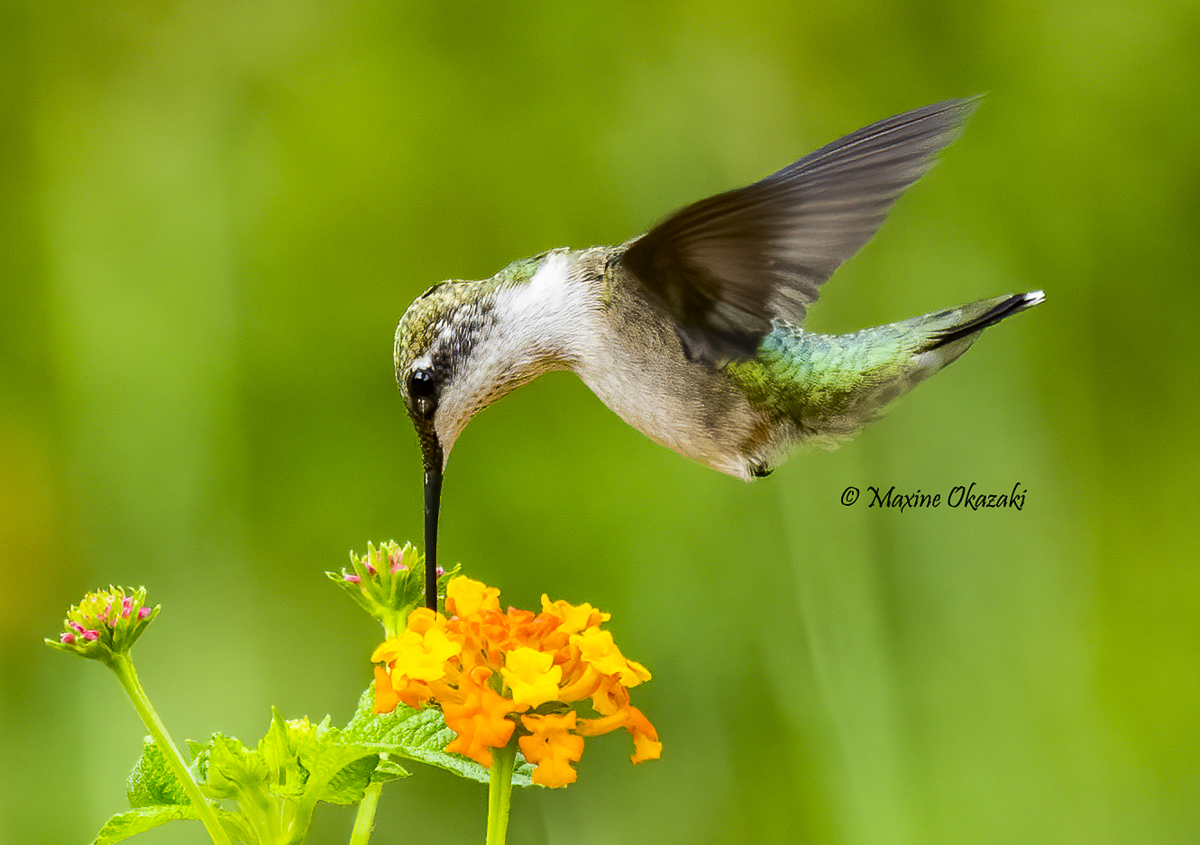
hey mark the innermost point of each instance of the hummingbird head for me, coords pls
(434, 342)
(462, 345)
(459, 347)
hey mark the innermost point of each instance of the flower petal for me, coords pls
(575, 618)
(467, 597)
(479, 722)
(386, 698)
(531, 676)
(597, 648)
(553, 747)
(424, 657)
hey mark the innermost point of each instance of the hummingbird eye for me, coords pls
(421, 384)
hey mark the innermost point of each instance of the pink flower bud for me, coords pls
(115, 613)
(397, 561)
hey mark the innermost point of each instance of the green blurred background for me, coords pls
(212, 215)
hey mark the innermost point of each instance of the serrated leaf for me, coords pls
(280, 753)
(348, 783)
(295, 765)
(388, 770)
(124, 825)
(317, 763)
(152, 782)
(274, 745)
(419, 735)
(235, 771)
(339, 768)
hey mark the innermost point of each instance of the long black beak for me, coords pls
(433, 500)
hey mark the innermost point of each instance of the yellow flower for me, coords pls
(466, 597)
(579, 683)
(532, 676)
(552, 747)
(574, 617)
(420, 657)
(598, 650)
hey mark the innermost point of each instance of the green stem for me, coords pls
(122, 665)
(365, 820)
(500, 791)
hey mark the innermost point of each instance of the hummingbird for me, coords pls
(692, 332)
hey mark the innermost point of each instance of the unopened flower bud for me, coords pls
(105, 623)
(387, 582)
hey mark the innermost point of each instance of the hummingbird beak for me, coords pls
(434, 461)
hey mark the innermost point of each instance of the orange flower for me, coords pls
(483, 665)
(645, 738)
(386, 697)
(552, 746)
(480, 721)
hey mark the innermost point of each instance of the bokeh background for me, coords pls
(212, 215)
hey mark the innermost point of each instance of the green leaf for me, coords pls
(347, 784)
(157, 796)
(151, 782)
(279, 750)
(295, 765)
(235, 771)
(419, 735)
(340, 769)
(388, 770)
(317, 763)
(124, 825)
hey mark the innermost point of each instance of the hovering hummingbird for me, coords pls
(691, 333)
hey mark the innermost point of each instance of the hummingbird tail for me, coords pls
(865, 372)
(971, 319)
(823, 388)
(936, 340)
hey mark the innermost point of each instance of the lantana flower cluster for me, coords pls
(105, 623)
(497, 672)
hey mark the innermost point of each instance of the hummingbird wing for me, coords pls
(726, 266)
